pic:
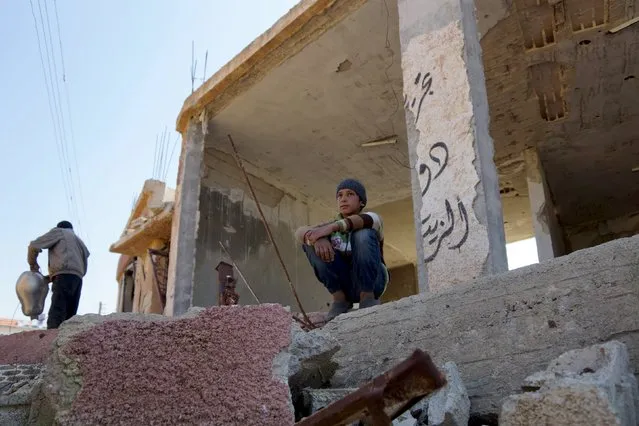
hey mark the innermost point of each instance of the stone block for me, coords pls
(576, 404)
(311, 362)
(449, 406)
(589, 386)
(17, 388)
(212, 367)
(14, 415)
(502, 328)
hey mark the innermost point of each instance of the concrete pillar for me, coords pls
(548, 232)
(184, 228)
(458, 216)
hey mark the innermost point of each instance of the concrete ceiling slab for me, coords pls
(306, 120)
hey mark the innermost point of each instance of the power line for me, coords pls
(68, 102)
(51, 107)
(57, 98)
(69, 179)
(56, 112)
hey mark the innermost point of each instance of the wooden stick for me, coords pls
(268, 231)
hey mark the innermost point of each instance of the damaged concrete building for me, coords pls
(144, 251)
(472, 124)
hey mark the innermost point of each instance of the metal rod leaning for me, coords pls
(239, 272)
(268, 232)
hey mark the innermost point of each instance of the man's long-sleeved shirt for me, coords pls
(67, 252)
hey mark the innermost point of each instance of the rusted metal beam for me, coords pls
(386, 397)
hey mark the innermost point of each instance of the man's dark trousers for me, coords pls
(66, 290)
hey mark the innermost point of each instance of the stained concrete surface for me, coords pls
(213, 367)
(28, 347)
(228, 219)
(500, 329)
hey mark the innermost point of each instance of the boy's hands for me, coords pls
(324, 249)
(318, 233)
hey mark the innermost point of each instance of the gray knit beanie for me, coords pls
(355, 186)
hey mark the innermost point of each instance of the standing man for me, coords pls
(68, 258)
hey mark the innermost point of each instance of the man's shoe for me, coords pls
(368, 303)
(338, 308)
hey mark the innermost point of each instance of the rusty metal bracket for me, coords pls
(386, 397)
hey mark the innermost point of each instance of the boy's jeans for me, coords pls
(362, 271)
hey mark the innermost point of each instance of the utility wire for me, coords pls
(57, 99)
(51, 107)
(70, 178)
(68, 102)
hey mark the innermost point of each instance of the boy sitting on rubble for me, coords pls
(347, 253)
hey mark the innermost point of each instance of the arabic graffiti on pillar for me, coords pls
(449, 228)
(423, 84)
(441, 229)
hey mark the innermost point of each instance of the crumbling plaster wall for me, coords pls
(595, 233)
(229, 215)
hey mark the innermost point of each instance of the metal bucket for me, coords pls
(32, 290)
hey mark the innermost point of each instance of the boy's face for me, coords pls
(348, 202)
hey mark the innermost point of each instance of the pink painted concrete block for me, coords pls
(212, 369)
(28, 347)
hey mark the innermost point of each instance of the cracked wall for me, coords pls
(229, 215)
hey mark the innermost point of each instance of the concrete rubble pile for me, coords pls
(250, 364)
(222, 365)
(500, 329)
(590, 386)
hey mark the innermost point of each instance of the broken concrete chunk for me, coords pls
(589, 386)
(219, 362)
(576, 404)
(311, 362)
(449, 406)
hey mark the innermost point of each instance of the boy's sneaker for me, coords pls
(338, 308)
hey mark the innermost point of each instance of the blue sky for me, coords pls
(128, 73)
(127, 69)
